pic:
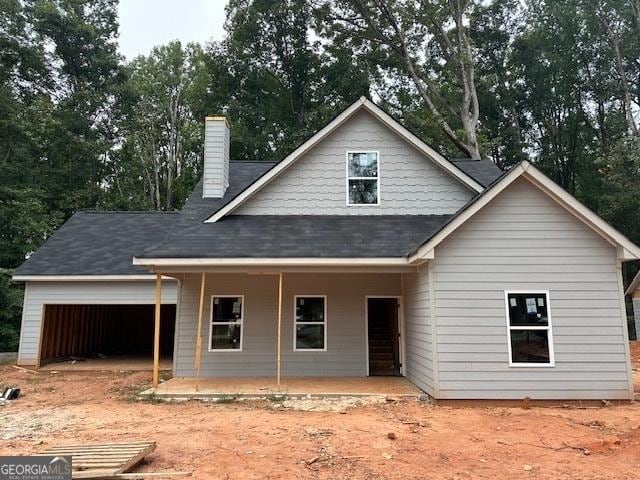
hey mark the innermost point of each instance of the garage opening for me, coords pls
(105, 336)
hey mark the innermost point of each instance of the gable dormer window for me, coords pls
(363, 175)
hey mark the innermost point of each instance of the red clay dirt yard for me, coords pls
(323, 439)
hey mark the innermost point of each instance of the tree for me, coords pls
(86, 73)
(495, 26)
(274, 82)
(427, 41)
(10, 312)
(58, 71)
(162, 134)
(620, 203)
(620, 20)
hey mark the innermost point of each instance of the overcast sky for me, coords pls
(144, 23)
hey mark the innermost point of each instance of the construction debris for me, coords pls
(104, 460)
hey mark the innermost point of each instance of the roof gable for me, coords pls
(408, 182)
(626, 249)
(379, 114)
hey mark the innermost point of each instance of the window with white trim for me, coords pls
(363, 175)
(310, 329)
(529, 323)
(225, 332)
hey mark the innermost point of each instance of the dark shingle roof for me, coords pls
(241, 175)
(99, 243)
(482, 171)
(278, 236)
(104, 243)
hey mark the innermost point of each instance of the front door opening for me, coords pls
(383, 331)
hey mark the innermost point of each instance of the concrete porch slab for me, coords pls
(110, 363)
(260, 387)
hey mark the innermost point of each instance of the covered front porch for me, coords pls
(267, 387)
(300, 330)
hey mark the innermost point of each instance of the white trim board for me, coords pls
(362, 103)
(87, 278)
(288, 261)
(627, 250)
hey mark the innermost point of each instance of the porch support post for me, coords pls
(279, 329)
(156, 331)
(198, 356)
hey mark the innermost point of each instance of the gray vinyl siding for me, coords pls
(636, 316)
(346, 334)
(216, 159)
(418, 334)
(523, 240)
(411, 183)
(38, 294)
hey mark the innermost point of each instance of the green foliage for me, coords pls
(620, 202)
(276, 84)
(59, 72)
(159, 120)
(10, 312)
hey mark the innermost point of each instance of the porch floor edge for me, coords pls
(291, 387)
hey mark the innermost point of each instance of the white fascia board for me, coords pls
(339, 262)
(321, 134)
(86, 278)
(629, 251)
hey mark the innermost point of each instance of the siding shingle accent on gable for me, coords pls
(411, 184)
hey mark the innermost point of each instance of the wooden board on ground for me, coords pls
(102, 460)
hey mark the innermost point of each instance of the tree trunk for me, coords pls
(624, 81)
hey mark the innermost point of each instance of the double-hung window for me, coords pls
(225, 332)
(310, 330)
(363, 178)
(529, 324)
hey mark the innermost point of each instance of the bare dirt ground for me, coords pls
(377, 440)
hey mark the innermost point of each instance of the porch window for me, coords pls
(363, 186)
(225, 332)
(310, 323)
(529, 324)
